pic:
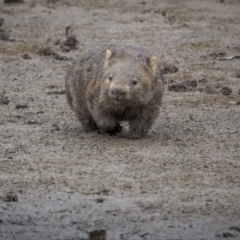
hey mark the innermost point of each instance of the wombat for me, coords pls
(113, 83)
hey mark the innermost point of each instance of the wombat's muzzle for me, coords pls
(119, 92)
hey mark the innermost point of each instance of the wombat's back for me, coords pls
(84, 68)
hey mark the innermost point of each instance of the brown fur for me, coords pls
(115, 83)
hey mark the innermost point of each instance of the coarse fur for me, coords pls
(113, 83)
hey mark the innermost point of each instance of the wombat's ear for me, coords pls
(108, 54)
(152, 63)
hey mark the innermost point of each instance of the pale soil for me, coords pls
(180, 182)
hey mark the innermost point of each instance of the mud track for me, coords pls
(180, 182)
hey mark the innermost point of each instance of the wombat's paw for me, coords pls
(89, 125)
(138, 128)
(90, 128)
(114, 131)
(107, 132)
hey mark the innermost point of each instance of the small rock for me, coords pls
(100, 200)
(226, 91)
(18, 106)
(1, 21)
(227, 235)
(210, 89)
(48, 52)
(4, 99)
(203, 80)
(169, 68)
(10, 197)
(32, 122)
(191, 83)
(67, 30)
(70, 44)
(26, 56)
(57, 42)
(56, 127)
(186, 86)
(98, 235)
(177, 88)
(218, 54)
(4, 35)
(237, 75)
(235, 228)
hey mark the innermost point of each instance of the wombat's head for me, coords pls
(128, 80)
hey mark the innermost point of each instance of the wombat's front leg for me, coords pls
(139, 127)
(108, 124)
(87, 122)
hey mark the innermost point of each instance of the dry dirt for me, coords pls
(180, 182)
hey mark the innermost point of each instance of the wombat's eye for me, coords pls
(110, 77)
(134, 82)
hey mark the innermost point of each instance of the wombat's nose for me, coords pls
(117, 91)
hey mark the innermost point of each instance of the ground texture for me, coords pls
(180, 182)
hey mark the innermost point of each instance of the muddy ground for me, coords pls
(182, 181)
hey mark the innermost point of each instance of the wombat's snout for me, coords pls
(119, 92)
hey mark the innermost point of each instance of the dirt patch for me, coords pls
(48, 52)
(10, 197)
(186, 86)
(3, 98)
(180, 182)
(69, 44)
(4, 35)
